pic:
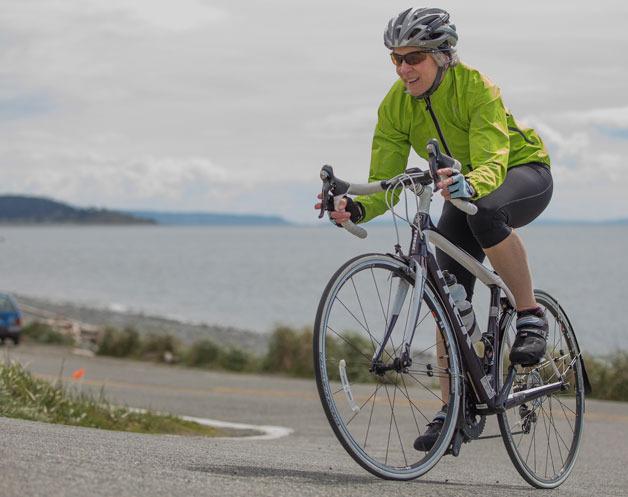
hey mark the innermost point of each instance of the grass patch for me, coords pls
(25, 397)
(43, 333)
(608, 376)
(290, 353)
(163, 347)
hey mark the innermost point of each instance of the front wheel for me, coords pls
(543, 436)
(377, 413)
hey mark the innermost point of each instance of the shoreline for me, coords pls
(187, 333)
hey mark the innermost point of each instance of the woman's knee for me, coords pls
(489, 225)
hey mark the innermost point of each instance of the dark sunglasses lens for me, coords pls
(396, 58)
(414, 58)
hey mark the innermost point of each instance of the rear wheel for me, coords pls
(543, 436)
(377, 414)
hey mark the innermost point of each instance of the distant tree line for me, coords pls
(19, 209)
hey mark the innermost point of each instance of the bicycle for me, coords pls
(389, 344)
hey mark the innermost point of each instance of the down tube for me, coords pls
(480, 382)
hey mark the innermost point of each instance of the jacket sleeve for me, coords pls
(389, 157)
(489, 142)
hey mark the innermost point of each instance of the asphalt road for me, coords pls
(50, 460)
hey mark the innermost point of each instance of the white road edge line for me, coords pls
(269, 432)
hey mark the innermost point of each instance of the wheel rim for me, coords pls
(380, 415)
(543, 435)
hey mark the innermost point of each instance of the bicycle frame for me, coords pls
(481, 372)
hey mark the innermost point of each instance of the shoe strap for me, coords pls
(537, 332)
(532, 325)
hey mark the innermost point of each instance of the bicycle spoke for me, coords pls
(425, 350)
(407, 396)
(393, 419)
(364, 328)
(530, 447)
(426, 388)
(389, 428)
(566, 407)
(556, 433)
(362, 310)
(368, 427)
(350, 344)
(549, 449)
(360, 408)
(389, 296)
(565, 414)
(356, 319)
(334, 361)
(379, 297)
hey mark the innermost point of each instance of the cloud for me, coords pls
(83, 175)
(161, 101)
(341, 125)
(612, 117)
(178, 16)
(18, 106)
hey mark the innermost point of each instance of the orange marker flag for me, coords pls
(78, 374)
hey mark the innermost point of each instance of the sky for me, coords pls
(222, 106)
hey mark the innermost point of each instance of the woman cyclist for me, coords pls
(505, 167)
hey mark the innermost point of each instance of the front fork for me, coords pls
(418, 266)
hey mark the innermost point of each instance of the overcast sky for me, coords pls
(233, 106)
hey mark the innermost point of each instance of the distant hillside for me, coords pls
(210, 219)
(18, 209)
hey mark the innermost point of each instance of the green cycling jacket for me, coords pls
(480, 132)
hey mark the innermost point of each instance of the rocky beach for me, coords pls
(36, 308)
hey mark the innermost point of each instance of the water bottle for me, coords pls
(459, 295)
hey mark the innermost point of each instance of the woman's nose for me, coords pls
(404, 68)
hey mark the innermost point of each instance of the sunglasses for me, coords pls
(412, 58)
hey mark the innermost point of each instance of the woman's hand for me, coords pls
(461, 188)
(340, 215)
(444, 183)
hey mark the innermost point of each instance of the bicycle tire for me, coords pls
(554, 423)
(335, 342)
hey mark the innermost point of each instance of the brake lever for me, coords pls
(327, 174)
(436, 159)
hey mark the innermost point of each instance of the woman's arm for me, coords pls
(489, 142)
(389, 157)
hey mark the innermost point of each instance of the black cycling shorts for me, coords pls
(524, 194)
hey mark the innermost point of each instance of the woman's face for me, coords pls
(418, 78)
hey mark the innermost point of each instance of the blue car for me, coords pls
(10, 319)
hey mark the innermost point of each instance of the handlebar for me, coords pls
(334, 189)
